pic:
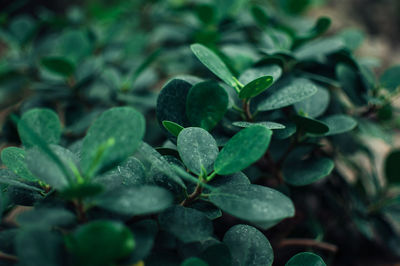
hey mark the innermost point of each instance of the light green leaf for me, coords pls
(187, 224)
(43, 122)
(139, 200)
(248, 246)
(197, 149)
(115, 135)
(318, 48)
(172, 127)
(255, 87)
(14, 159)
(304, 172)
(315, 105)
(339, 124)
(267, 124)
(113, 239)
(275, 71)
(305, 258)
(243, 149)
(297, 91)
(254, 203)
(206, 104)
(213, 63)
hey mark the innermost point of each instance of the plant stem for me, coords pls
(246, 109)
(80, 210)
(192, 197)
(308, 243)
(4, 256)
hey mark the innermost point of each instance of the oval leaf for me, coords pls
(310, 125)
(339, 124)
(115, 135)
(58, 65)
(255, 87)
(305, 258)
(243, 149)
(248, 246)
(172, 127)
(315, 105)
(390, 78)
(197, 149)
(267, 124)
(14, 159)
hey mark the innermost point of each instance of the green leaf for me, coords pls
(172, 127)
(217, 255)
(315, 105)
(58, 65)
(81, 191)
(193, 261)
(339, 124)
(206, 104)
(352, 38)
(213, 63)
(228, 180)
(390, 78)
(171, 102)
(14, 159)
(139, 200)
(392, 169)
(115, 135)
(207, 209)
(37, 246)
(310, 125)
(197, 149)
(305, 258)
(187, 224)
(267, 124)
(297, 91)
(248, 246)
(9, 178)
(43, 122)
(145, 232)
(255, 87)
(304, 172)
(351, 84)
(46, 217)
(295, 6)
(243, 149)
(275, 71)
(253, 203)
(100, 243)
(49, 171)
(318, 48)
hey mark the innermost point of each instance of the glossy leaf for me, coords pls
(298, 90)
(255, 87)
(197, 149)
(273, 70)
(339, 124)
(139, 200)
(213, 63)
(248, 246)
(14, 159)
(243, 149)
(115, 135)
(43, 122)
(306, 258)
(206, 104)
(315, 105)
(113, 239)
(253, 203)
(187, 224)
(172, 127)
(304, 172)
(267, 124)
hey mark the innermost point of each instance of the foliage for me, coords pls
(252, 150)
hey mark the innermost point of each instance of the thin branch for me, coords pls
(192, 197)
(246, 109)
(308, 243)
(4, 256)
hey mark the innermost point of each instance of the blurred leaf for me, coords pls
(339, 124)
(14, 159)
(392, 169)
(58, 65)
(267, 124)
(306, 258)
(390, 78)
(315, 105)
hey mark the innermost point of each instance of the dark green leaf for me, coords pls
(138, 200)
(351, 83)
(43, 122)
(197, 149)
(339, 124)
(46, 217)
(188, 225)
(207, 209)
(253, 203)
(213, 63)
(310, 125)
(100, 243)
(243, 149)
(36, 246)
(304, 172)
(297, 91)
(315, 105)
(392, 169)
(81, 191)
(248, 246)
(255, 87)
(145, 232)
(267, 124)
(115, 135)
(206, 104)
(193, 261)
(318, 48)
(306, 258)
(217, 255)
(275, 71)
(58, 65)
(14, 159)
(390, 78)
(9, 178)
(172, 127)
